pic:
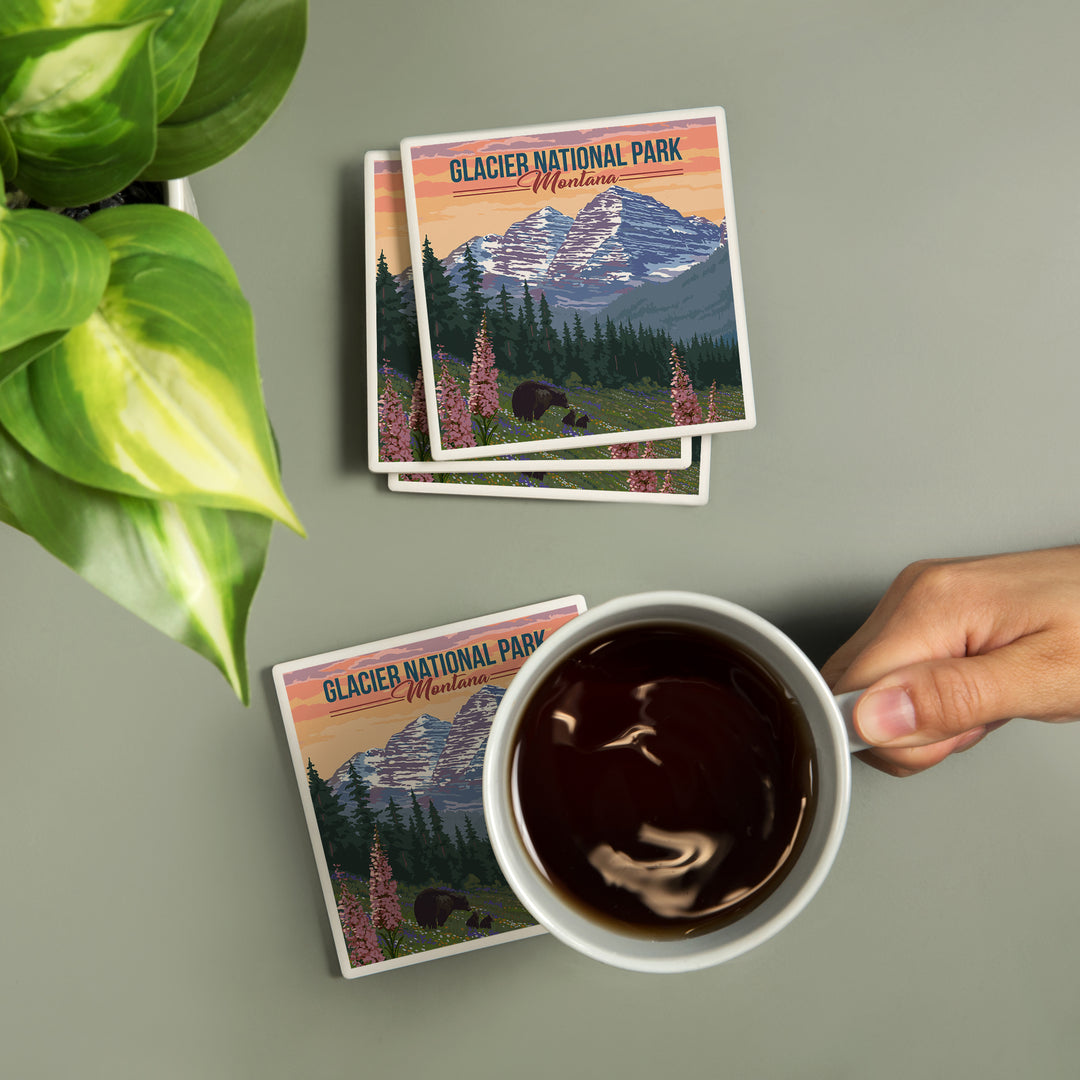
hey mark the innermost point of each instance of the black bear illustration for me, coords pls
(473, 920)
(531, 399)
(582, 421)
(432, 907)
(568, 419)
(485, 922)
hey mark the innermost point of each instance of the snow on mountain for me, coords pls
(620, 239)
(623, 235)
(458, 775)
(405, 763)
(409, 757)
(468, 735)
(522, 253)
(430, 757)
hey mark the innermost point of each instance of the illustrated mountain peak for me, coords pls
(618, 240)
(549, 213)
(430, 757)
(617, 193)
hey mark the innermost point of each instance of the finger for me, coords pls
(861, 660)
(909, 760)
(926, 614)
(938, 699)
(902, 640)
(837, 666)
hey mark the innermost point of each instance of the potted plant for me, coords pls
(134, 440)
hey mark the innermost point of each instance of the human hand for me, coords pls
(956, 648)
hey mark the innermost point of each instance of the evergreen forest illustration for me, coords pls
(518, 369)
(404, 879)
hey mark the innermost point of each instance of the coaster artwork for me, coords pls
(387, 741)
(597, 264)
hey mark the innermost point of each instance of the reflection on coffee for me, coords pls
(663, 779)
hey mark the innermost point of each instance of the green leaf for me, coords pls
(19, 15)
(7, 515)
(16, 358)
(246, 66)
(176, 44)
(9, 157)
(189, 571)
(53, 273)
(157, 394)
(143, 229)
(79, 106)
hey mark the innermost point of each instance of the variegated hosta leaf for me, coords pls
(157, 394)
(245, 68)
(52, 274)
(79, 106)
(176, 44)
(190, 571)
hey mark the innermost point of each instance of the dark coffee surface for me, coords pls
(664, 779)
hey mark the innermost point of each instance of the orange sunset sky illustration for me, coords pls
(448, 216)
(329, 733)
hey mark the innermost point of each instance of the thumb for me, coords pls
(938, 699)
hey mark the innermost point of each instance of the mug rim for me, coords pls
(635, 951)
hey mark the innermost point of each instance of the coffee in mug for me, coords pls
(663, 779)
(667, 781)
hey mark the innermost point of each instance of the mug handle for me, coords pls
(846, 705)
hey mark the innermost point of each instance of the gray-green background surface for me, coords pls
(906, 189)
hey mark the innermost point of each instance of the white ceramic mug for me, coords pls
(834, 739)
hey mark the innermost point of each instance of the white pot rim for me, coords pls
(178, 194)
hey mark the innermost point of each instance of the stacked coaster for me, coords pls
(556, 311)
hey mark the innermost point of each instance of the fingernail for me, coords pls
(886, 715)
(970, 738)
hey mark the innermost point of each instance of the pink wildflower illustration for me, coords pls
(418, 421)
(623, 451)
(668, 487)
(685, 407)
(484, 383)
(643, 480)
(713, 416)
(454, 418)
(360, 937)
(394, 441)
(385, 906)
(418, 408)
